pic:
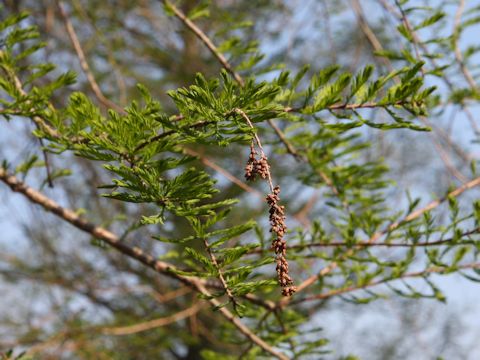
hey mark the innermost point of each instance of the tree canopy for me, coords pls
(205, 179)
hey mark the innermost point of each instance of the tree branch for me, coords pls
(132, 252)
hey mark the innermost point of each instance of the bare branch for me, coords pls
(205, 39)
(458, 53)
(83, 61)
(153, 324)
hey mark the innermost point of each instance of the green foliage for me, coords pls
(146, 151)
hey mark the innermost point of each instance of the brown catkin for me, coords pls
(279, 245)
(250, 168)
(277, 218)
(256, 167)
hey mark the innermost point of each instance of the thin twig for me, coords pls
(220, 275)
(368, 32)
(204, 159)
(168, 133)
(410, 30)
(458, 53)
(448, 162)
(417, 213)
(83, 61)
(417, 43)
(363, 244)
(422, 273)
(205, 39)
(259, 143)
(152, 324)
(38, 121)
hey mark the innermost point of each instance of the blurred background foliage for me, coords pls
(58, 290)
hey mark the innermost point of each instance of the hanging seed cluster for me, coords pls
(277, 218)
(279, 245)
(256, 167)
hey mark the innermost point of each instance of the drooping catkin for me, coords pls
(277, 218)
(279, 244)
(256, 167)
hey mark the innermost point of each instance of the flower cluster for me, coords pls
(277, 217)
(256, 167)
(279, 245)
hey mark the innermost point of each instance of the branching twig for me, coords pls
(409, 217)
(415, 214)
(417, 44)
(38, 121)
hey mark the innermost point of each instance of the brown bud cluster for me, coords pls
(256, 167)
(279, 245)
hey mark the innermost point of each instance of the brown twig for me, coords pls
(410, 30)
(343, 106)
(458, 53)
(168, 133)
(152, 324)
(415, 214)
(368, 32)
(259, 143)
(83, 61)
(37, 120)
(205, 39)
(220, 274)
(422, 273)
(174, 294)
(364, 244)
(204, 159)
